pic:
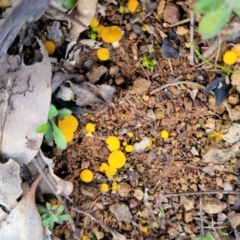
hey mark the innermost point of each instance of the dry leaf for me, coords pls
(61, 186)
(160, 7)
(233, 134)
(84, 13)
(10, 184)
(24, 221)
(25, 98)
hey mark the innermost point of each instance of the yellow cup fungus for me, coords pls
(112, 34)
(90, 127)
(113, 143)
(164, 134)
(117, 159)
(99, 30)
(103, 167)
(150, 142)
(94, 22)
(132, 5)
(129, 148)
(111, 171)
(124, 143)
(229, 57)
(236, 49)
(69, 124)
(103, 54)
(55, 202)
(50, 46)
(130, 134)
(114, 186)
(104, 187)
(68, 136)
(86, 175)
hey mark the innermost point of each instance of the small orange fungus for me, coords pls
(236, 48)
(113, 143)
(68, 125)
(111, 171)
(117, 159)
(103, 54)
(130, 134)
(129, 148)
(99, 29)
(94, 22)
(50, 47)
(112, 35)
(55, 202)
(230, 57)
(144, 229)
(114, 186)
(132, 5)
(104, 187)
(164, 134)
(68, 136)
(86, 175)
(90, 127)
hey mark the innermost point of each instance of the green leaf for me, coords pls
(69, 4)
(209, 236)
(54, 207)
(42, 128)
(64, 217)
(64, 112)
(53, 112)
(46, 222)
(48, 135)
(237, 8)
(44, 216)
(48, 206)
(205, 6)
(60, 209)
(213, 22)
(54, 218)
(51, 225)
(41, 209)
(59, 137)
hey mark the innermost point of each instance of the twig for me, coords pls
(228, 110)
(103, 225)
(199, 193)
(178, 23)
(175, 84)
(191, 60)
(201, 217)
(170, 64)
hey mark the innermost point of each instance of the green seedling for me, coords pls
(160, 216)
(69, 4)
(215, 15)
(208, 236)
(52, 214)
(51, 130)
(121, 9)
(93, 35)
(148, 63)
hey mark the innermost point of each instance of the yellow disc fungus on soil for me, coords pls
(111, 171)
(103, 54)
(129, 148)
(230, 57)
(68, 125)
(86, 175)
(99, 30)
(113, 143)
(132, 5)
(50, 47)
(164, 134)
(68, 136)
(104, 187)
(90, 127)
(114, 186)
(117, 159)
(94, 22)
(112, 35)
(130, 134)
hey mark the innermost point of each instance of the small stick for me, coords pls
(178, 23)
(191, 60)
(199, 193)
(170, 64)
(201, 217)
